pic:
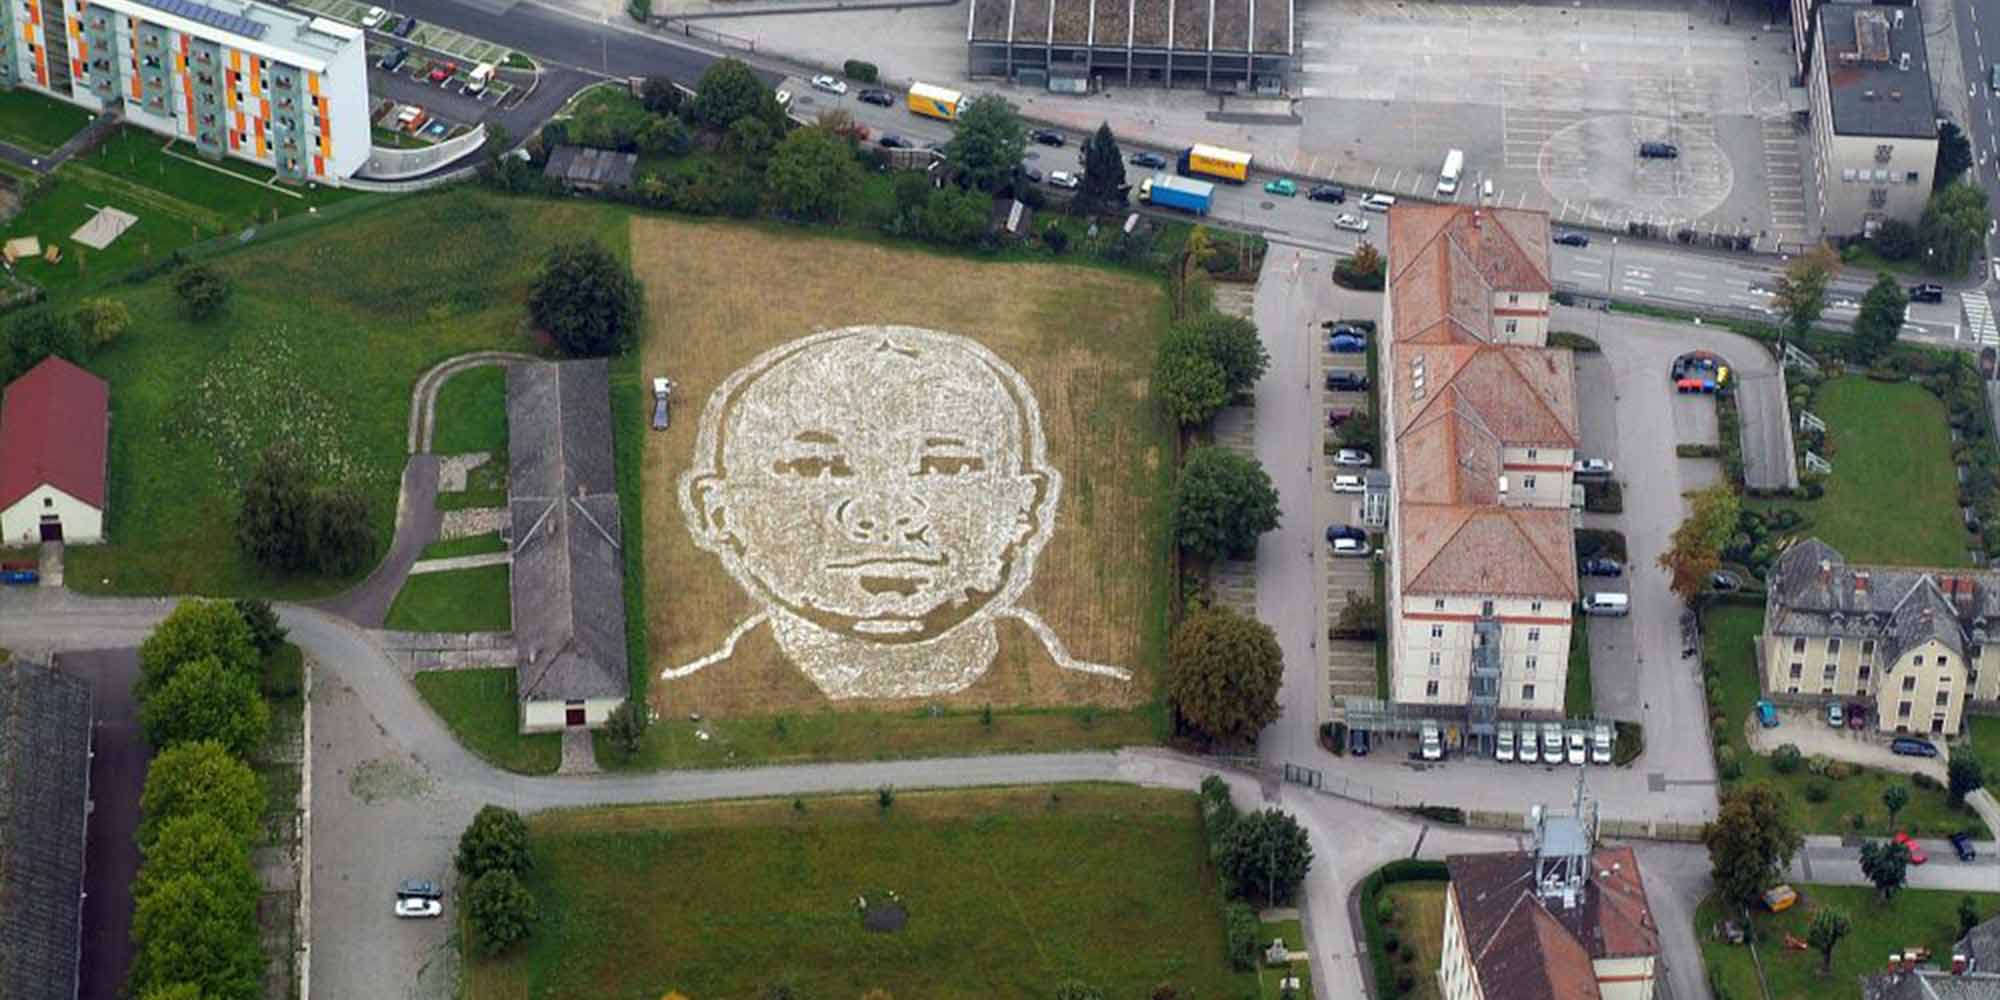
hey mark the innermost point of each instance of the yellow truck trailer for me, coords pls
(935, 102)
(1214, 161)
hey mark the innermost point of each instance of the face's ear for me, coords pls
(1031, 488)
(708, 495)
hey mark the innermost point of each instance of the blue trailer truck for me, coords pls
(1184, 193)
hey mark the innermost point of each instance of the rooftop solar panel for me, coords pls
(204, 14)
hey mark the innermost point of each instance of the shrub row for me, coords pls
(1388, 981)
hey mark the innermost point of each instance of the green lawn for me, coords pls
(1271, 977)
(483, 710)
(1419, 931)
(485, 486)
(1915, 918)
(73, 195)
(322, 342)
(459, 600)
(1578, 701)
(471, 545)
(472, 412)
(1730, 634)
(37, 122)
(240, 193)
(1983, 742)
(1893, 495)
(1006, 891)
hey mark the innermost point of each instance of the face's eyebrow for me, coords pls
(816, 437)
(946, 441)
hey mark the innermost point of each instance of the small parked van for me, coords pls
(1378, 202)
(1613, 605)
(1349, 484)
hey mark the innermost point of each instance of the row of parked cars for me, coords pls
(1557, 743)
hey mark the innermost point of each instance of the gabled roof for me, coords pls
(1815, 592)
(1488, 550)
(1447, 261)
(44, 781)
(1930, 984)
(1448, 457)
(1523, 396)
(55, 422)
(1921, 616)
(1522, 947)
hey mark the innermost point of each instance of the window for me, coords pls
(1865, 671)
(1847, 174)
(1532, 452)
(1798, 670)
(1903, 710)
(1826, 690)
(1437, 631)
(1527, 692)
(1486, 609)
(1833, 646)
(1794, 689)
(1917, 661)
(1513, 325)
(1430, 689)
(1437, 660)
(1911, 177)
(1534, 635)
(1943, 698)
(48, 501)
(1867, 647)
(1884, 152)
(1437, 605)
(1527, 482)
(1513, 299)
(1535, 606)
(1531, 663)
(1909, 683)
(1799, 644)
(1827, 672)
(1878, 197)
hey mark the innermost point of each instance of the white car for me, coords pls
(1593, 467)
(1350, 222)
(412, 908)
(374, 17)
(1352, 457)
(1349, 484)
(1577, 752)
(1351, 547)
(1526, 751)
(829, 84)
(1503, 747)
(1431, 741)
(1065, 179)
(1378, 202)
(1600, 744)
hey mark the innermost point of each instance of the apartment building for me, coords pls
(1908, 642)
(235, 78)
(1482, 419)
(1874, 119)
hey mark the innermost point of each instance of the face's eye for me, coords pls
(831, 466)
(950, 465)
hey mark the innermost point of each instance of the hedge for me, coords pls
(1406, 870)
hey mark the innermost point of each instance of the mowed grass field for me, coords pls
(1008, 892)
(1915, 918)
(720, 294)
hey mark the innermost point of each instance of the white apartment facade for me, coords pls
(233, 77)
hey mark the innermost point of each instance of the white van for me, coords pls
(1431, 741)
(1454, 165)
(1503, 748)
(1378, 202)
(1601, 603)
(481, 76)
(1348, 484)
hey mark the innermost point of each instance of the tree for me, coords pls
(1362, 271)
(730, 91)
(495, 840)
(627, 726)
(1223, 671)
(1954, 156)
(339, 539)
(1968, 915)
(1231, 342)
(660, 96)
(1266, 855)
(501, 910)
(1750, 842)
(1881, 318)
(204, 700)
(813, 173)
(663, 135)
(203, 291)
(100, 322)
(1894, 798)
(1887, 864)
(1696, 547)
(587, 300)
(752, 139)
(1829, 925)
(1358, 431)
(954, 216)
(1103, 171)
(1360, 617)
(201, 846)
(190, 931)
(1953, 227)
(199, 778)
(196, 629)
(1896, 240)
(273, 514)
(989, 143)
(1801, 292)
(266, 635)
(174, 991)
(39, 334)
(1965, 776)
(1222, 503)
(1193, 388)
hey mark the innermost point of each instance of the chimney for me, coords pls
(1825, 572)
(1860, 582)
(1475, 219)
(1959, 964)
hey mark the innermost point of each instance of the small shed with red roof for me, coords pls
(55, 428)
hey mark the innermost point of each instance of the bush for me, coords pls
(1786, 759)
(501, 910)
(587, 300)
(203, 291)
(496, 840)
(1925, 782)
(1240, 923)
(1392, 941)
(855, 69)
(1573, 341)
(1841, 770)
(1817, 791)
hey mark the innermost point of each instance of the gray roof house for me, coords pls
(1974, 972)
(568, 582)
(1815, 592)
(44, 791)
(590, 169)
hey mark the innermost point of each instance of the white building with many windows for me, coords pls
(1874, 121)
(236, 78)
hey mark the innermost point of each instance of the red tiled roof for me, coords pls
(1447, 261)
(1461, 548)
(1523, 948)
(54, 425)
(1524, 396)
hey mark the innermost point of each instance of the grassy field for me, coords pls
(323, 340)
(459, 600)
(482, 707)
(472, 545)
(37, 122)
(1983, 742)
(1893, 495)
(237, 192)
(1921, 918)
(1420, 930)
(472, 412)
(1730, 633)
(1007, 891)
(1081, 337)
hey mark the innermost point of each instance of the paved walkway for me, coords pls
(460, 562)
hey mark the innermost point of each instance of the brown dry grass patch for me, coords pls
(719, 294)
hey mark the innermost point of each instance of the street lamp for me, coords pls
(1614, 268)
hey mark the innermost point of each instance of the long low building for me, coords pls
(1078, 45)
(274, 86)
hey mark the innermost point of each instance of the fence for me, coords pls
(1485, 819)
(388, 164)
(690, 30)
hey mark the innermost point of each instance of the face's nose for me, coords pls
(888, 517)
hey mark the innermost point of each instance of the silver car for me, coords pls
(662, 390)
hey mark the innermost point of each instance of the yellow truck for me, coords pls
(1214, 161)
(935, 102)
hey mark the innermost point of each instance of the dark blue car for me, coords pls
(1346, 343)
(1911, 747)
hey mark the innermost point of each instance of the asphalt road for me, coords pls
(561, 39)
(1974, 19)
(111, 856)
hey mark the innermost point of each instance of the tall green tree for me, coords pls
(1266, 855)
(274, 510)
(1103, 171)
(199, 845)
(204, 700)
(1232, 342)
(955, 216)
(203, 290)
(627, 725)
(1964, 776)
(339, 539)
(1886, 864)
(1750, 842)
(1954, 156)
(1223, 671)
(730, 91)
(1696, 547)
(1222, 504)
(197, 628)
(1801, 291)
(266, 634)
(495, 840)
(989, 144)
(587, 300)
(1828, 926)
(813, 173)
(1894, 798)
(38, 334)
(1881, 318)
(1954, 226)
(199, 778)
(1191, 386)
(502, 911)
(188, 930)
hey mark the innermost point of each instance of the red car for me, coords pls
(1917, 855)
(443, 71)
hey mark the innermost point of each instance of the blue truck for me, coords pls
(1184, 193)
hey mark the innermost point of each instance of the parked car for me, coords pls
(408, 25)
(662, 389)
(1327, 192)
(16, 575)
(418, 908)
(1151, 161)
(829, 84)
(1659, 151)
(1857, 715)
(1351, 547)
(1503, 742)
(1836, 716)
(1065, 180)
(1917, 855)
(1593, 467)
(1337, 328)
(395, 58)
(1552, 742)
(1378, 202)
(1047, 137)
(1767, 714)
(1572, 238)
(1346, 343)
(1353, 457)
(1336, 532)
(877, 97)
(1349, 484)
(891, 140)
(1350, 222)
(1283, 187)
(1339, 415)
(1357, 742)
(1910, 746)
(1600, 743)
(419, 888)
(1033, 175)
(1524, 749)
(1961, 844)
(1927, 292)
(440, 72)
(1347, 381)
(1430, 740)
(374, 17)
(1579, 752)
(1600, 566)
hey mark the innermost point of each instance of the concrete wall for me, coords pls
(548, 716)
(1434, 642)
(21, 524)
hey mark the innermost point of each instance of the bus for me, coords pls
(935, 102)
(1454, 164)
(1214, 161)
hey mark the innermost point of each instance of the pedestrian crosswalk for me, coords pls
(1979, 317)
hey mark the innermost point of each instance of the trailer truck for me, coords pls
(1214, 161)
(1184, 193)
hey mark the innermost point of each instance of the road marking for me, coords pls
(1979, 317)
(1593, 275)
(1685, 290)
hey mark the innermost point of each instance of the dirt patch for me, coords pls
(386, 779)
(721, 295)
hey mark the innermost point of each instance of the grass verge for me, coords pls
(472, 412)
(1916, 917)
(1419, 930)
(36, 122)
(1578, 701)
(471, 545)
(482, 707)
(459, 600)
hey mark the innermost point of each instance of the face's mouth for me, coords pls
(890, 565)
